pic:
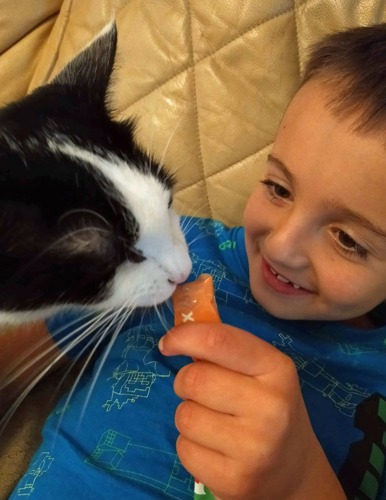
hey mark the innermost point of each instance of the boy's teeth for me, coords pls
(281, 278)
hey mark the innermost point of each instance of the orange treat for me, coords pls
(195, 302)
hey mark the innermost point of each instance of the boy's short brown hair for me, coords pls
(353, 64)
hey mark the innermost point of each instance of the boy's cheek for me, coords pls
(248, 211)
(253, 230)
(255, 212)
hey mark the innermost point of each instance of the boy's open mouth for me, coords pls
(281, 278)
(280, 283)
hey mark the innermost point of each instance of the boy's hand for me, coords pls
(244, 429)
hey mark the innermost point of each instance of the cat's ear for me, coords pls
(88, 74)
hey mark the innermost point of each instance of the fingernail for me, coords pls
(161, 344)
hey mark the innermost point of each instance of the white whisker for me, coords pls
(55, 244)
(8, 415)
(98, 322)
(60, 355)
(169, 305)
(162, 319)
(162, 159)
(84, 211)
(194, 240)
(21, 361)
(104, 318)
(102, 361)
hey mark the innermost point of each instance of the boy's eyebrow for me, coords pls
(335, 204)
(356, 217)
(278, 163)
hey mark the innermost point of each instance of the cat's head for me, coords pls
(85, 214)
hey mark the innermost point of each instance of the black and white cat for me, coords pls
(85, 214)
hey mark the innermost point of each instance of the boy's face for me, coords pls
(316, 225)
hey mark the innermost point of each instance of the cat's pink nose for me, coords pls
(179, 278)
(181, 273)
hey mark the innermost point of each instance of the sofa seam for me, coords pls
(193, 63)
(195, 100)
(65, 22)
(297, 5)
(255, 153)
(28, 32)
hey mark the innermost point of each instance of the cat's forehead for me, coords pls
(136, 182)
(50, 121)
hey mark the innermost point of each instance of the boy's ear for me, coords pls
(88, 74)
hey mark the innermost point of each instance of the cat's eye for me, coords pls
(135, 255)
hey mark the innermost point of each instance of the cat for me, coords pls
(86, 217)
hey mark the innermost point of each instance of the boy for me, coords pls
(286, 400)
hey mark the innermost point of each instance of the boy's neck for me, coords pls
(362, 322)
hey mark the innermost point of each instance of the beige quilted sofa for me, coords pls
(207, 80)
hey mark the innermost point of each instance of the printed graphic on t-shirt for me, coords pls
(36, 470)
(135, 376)
(121, 455)
(343, 395)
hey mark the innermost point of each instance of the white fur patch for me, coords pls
(136, 188)
(160, 237)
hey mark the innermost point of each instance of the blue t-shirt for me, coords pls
(114, 437)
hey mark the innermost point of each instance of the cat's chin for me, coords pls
(150, 298)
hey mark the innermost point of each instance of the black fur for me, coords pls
(45, 195)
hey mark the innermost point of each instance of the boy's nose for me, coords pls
(288, 243)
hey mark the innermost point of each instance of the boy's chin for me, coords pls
(287, 312)
(293, 314)
(276, 310)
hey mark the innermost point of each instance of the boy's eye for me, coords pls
(276, 190)
(346, 240)
(349, 245)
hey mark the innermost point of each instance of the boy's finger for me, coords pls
(224, 345)
(211, 467)
(217, 388)
(205, 427)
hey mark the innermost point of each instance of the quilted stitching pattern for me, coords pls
(214, 102)
(219, 78)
